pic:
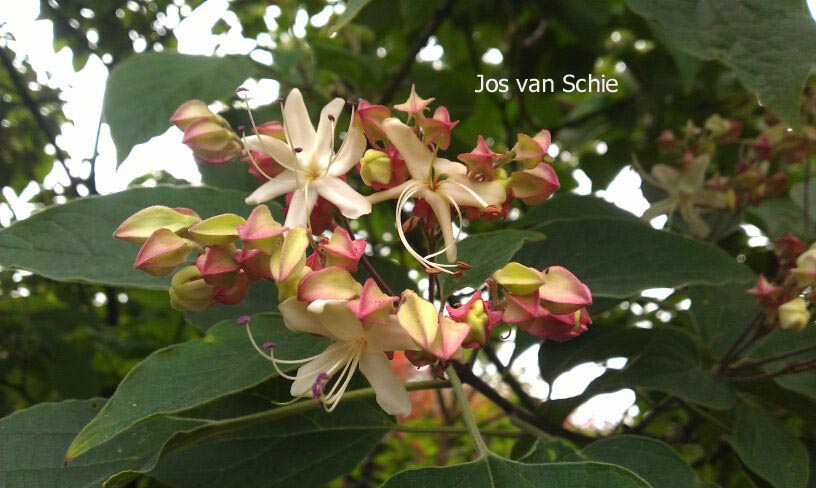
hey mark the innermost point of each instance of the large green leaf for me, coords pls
(778, 216)
(782, 342)
(353, 8)
(721, 313)
(552, 450)
(33, 444)
(261, 297)
(187, 375)
(573, 207)
(769, 45)
(651, 459)
(144, 91)
(494, 471)
(671, 363)
(73, 242)
(620, 258)
(487, 253)
(767, 449)
(306, 449)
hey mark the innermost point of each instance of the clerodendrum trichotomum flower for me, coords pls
(312, 167)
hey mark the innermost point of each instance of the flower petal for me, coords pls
(417, 157)
(329, 362)
(562, 292)
(300, 209)
(321, 149)
(350, 152)
(340, 322)
(390, 337)
(274, 148)
(299, 128)
(441, 208)
(391, 393)
(419, 318)
(390, 193)
(277, 186)
(344, 197)
(298, 319)
(470, 193)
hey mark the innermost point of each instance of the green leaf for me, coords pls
(548, 451)
(781, 342)
(721, 313)
(487, 253)
(353, 8)
(307, 449)
(769, 45)
(778, 216)
(671, 363)
(619, 258)
(651, 459)
(187, 375)
(33, 442)
(261, 297)
(573, 207)
(144, 90)
(73, 242)
(394, 274)
(767, 449)
(493, 471)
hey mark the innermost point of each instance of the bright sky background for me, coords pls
(83, 91)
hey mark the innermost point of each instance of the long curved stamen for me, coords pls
(458, 234)
(255, 163)
(263, 144)
(475, 195)
(271, 356)
(333, 399)
(406, 195)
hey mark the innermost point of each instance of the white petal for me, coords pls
(299, 128)
(297, 318)
(391, 393)
(275, 148)
(390, 337)
(350, 152)
(441, 208)
(319, 305)
(329, 362)
(448, 167)
(469, 193)
(417, 157)
(344, 197)
(300, 209)
(340, 321)
(280, 185)
(321, 149)
(389, 194)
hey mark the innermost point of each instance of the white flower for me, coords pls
(439, 182)
(353, 347)
(312, 166)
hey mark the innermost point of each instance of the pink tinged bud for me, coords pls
(342, 251)
(788, 247)
(519, 279)
(289, 287)
(272, 128)
(794, 315)
(255, 263)
(162, 252)
(415, 104)
(221, 229)
(439, 335)
(562, 292)
(370, 117)
(234, 294)
(261, 231)
(437, 130)
(420, 358)
(375, 167)
(559, 327)
(531, 150)
(450, 337)
(211, 141)
(189, 112)
(481, 318)
(334, 283)
(189, 291)
(765, 289)
(522, 308)
(373, 306)
(289, 258)
(141, 225)
(534, 186)
(218, 266)
(805, 270)
(480, 160)
(269, 168)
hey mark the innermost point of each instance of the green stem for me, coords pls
(467, 413)
(451, 430)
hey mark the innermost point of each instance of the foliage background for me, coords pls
(71, 331)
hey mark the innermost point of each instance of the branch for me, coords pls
(773, 359)
(792, 368)
(508, 378)
(410, 59)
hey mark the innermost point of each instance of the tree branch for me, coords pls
(508, 378)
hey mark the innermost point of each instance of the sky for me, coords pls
(82, 92)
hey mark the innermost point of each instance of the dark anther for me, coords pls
(298, 149)
(331, 118)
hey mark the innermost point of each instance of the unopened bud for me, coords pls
(375, 167)
(141, 225)
(211, 141)
(794, 315)
(162, 252)
(189, 291)
(534, 186)
(189, 112)
(221, 229)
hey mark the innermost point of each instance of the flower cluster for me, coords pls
(313, 270)
(785, 300)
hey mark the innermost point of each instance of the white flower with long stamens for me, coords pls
(312, 167)
(439, 182)
(353, 347)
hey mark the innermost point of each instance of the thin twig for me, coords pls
(508, 378)
(451, 430)
(792, 368)
(773, 359)
(732, 351)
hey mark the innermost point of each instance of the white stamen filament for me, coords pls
(263, 144)
(333, 398)
(271, 356)
(475, 195)
(425, 261)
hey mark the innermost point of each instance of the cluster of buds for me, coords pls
(208, 134)
(785, 300)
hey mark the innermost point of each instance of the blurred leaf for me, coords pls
(493, 471)
(306, 449)
(770, 57)
(548, 451)
(33, 444)
(778, 216)
(651, 459)
(144, 91)
(721, 313)
(186, 375)
(487, 253)
(73, 242)
(353, 8)
(781, 342)
(766, 448)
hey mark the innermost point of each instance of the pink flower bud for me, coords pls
(764, 289)
(334, 283)
(189, 112)
(559, 328)
(342, 251)
(373, 306)
(534, 186)
(562, 292)
(439, 335)
(211, 141)
(480, 160)
(234, 294)
(261, 231)
(788, 248)
(221, 229)
(415, 105)
(162, 252)
(531, 150)
(141, 225)
(437, 130)
(218, 266)
(273, 128)
(189, 291)
(481, 318)
(370, 117)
